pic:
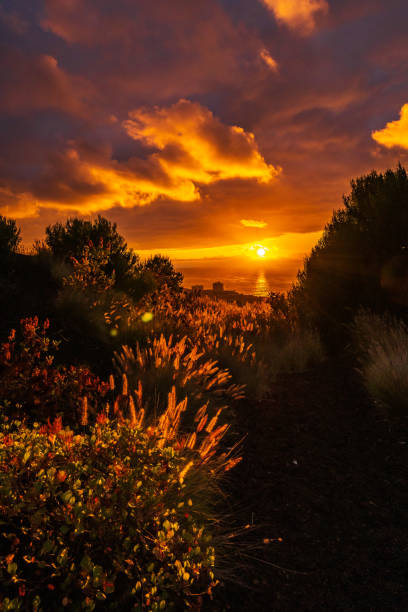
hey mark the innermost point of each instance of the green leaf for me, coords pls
(63, 556)
(100, 595)
(46, 547)
(97, 571)
(12, 568)
(66, 496)
(86, 563)
(26, 456)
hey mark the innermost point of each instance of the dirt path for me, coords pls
(322, 472)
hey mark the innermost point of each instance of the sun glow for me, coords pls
(290, 245)
(259, 250)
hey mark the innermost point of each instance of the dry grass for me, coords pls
(210, 342)
(382, 351)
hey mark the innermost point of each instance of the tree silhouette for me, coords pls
(10, 238)
(68, 240)
(362, 257)
(161, 269)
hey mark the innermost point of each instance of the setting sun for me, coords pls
(258, 250)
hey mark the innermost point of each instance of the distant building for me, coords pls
(218, 287)
(197, 288)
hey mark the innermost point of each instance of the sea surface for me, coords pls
(256, 280)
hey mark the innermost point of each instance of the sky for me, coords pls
(203, 129)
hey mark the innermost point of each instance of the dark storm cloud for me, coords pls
(35, 82)
(147, 52)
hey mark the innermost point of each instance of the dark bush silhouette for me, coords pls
(69, 239)
(362, 258)
(10, 238)
(162, 272)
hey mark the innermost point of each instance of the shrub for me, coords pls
(10, 238)
(30, 383)
(381, 344)
(118, 517)
(361, 259)
(69, 239)
(161, 270)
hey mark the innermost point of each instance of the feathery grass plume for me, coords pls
(111, 382)
(184, 471)
(124, 384)
(164, 363)
(202, 423)
(132, 411)
(139, 394)
(191, 440)
(140, 417)
(213, 422)
(84, 411)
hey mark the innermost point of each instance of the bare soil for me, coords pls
(324, 486)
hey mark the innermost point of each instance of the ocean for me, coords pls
(256, 279)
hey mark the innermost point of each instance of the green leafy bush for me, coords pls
(118, 517)
(31, 385)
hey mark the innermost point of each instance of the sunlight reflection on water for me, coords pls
(259, 278)
(251, 282)
(262, 285)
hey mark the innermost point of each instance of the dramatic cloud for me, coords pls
(395, 133)
(171, 118)
(297, 14)
(18, 205)
(196, 147)
(150, 52)
(191, 147)
(253, 223)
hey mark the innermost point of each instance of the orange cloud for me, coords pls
(196, 147)
(253, 223)
(19, 205)
(192, 149)
(395, 133)
(78, 180)
(297, 14)
(267, 58)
